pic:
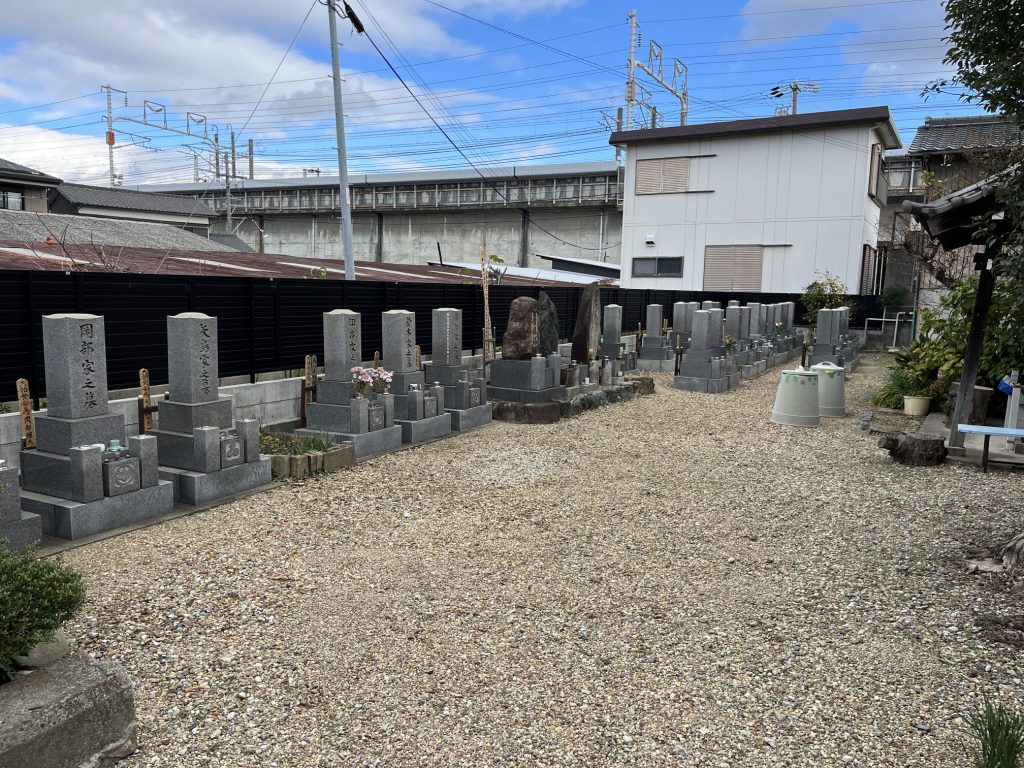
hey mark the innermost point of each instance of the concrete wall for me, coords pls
(411, 238)
(803, 195)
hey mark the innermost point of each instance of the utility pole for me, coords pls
(654, 68)
(339, 128)
(110, 128)
(234, 156)
(227, 184)
(631, 70)
(252, 165)
(794, 88)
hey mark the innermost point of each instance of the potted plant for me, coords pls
(917, 401)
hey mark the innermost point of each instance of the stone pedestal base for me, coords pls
(73, 520)
(513, 395)
(365, 443)
(26, 531)
(652, 364)
(470, 418)
(199, 488)
(79, 711)
(421, 430)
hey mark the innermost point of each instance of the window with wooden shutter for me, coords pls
(733, 267)
(876, 167)
(663, 176)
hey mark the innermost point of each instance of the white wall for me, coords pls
(803, 195)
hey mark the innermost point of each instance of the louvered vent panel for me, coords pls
(675, 174)
(748, 261)
(718, 267)
(648, 177)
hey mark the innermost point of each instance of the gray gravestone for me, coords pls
(75, 356)
(343, 343)
(446, 337)
(714, 328)
(522, 334)
(612, 328)
(681, 319)
(654, 320)
(398, 330)
(548, 319)
(732, 321)
(192, 358)
(700, 330)
(744, 322)
(755, 319)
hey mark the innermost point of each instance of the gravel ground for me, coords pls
(668, 581)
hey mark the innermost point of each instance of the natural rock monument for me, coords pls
(522, 334)
(586, 336)
(549, 330)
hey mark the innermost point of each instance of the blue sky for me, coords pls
(522, 81)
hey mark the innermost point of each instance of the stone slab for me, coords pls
(174, 416)
(77, 712)
(330, 392)
(73, 520)
(717, 386)
(422, 430)
(365, 444)
(57, 435)
(690, 383)
(527, 413)
(343, 340)
(464, 419)
(520, 374)
(25, 531)
(199, 488)
(449, 375)
(664, 366)
(325, 417)
(398, 334)
(446, 338)
(512, 394)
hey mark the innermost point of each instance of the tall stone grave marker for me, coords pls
(522, 333)
(465, 392)
(586, 336)
(522, 374)
(656, 352)
(611, 337)
(368, 423)
(204, 452)
(419, 409)
(81, 478)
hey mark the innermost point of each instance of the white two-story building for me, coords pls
(756, 205)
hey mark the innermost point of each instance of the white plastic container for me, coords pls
(831, 390)
(796, 400)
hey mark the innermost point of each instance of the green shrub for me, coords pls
(893, 295)
(312, 443)
(1000, 736)
(36, 598)
(900, 382)
(826, 292)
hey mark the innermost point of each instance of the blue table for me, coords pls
(988, 432)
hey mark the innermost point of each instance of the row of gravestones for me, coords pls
(83, 476)
(833, 342)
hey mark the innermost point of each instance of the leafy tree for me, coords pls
(826, 292)
(985, 50)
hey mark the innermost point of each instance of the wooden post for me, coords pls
(28, 430)
(488, 328)
(376, 359)
(419, 358)
(145, 402)
(308, 387)
(975, 339)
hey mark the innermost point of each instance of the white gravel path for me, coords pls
(667, 581)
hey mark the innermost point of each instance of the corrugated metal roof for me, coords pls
(410, 177)
(133, 200)
(27, 227)
(798, 122)
(949, 134)
(12, 170)
(18, 254)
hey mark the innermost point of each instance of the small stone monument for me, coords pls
(419, 408)
(83, 477)
(18, 528)
(656, 352)
(522, 374)
(708, 366)
(339, 412)
(204, 452)
(465, 392)
(549, 330)
(611, 344)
